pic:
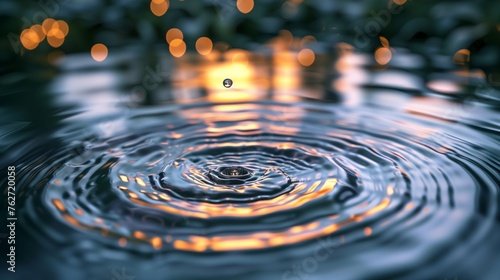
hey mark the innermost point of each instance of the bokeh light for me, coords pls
(177, 47)
(29, 39)
(55, 38)
(38, 29)
(173, 33)
(306, 57)
(383, 55)
(159, 7)
(47, 24)
(99, 52)
(62, 26)
(50, 29)
(204, 45)
(245, 6)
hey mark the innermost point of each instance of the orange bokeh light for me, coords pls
(177, 47)
(29, 39)
(99, 52)
(306, 57)
(204, 45)
(39, 31)
(172, 34)
(245, 6)
(159, 7)
(47, 24)
(55, 38)
(62, 26)
(383, 56)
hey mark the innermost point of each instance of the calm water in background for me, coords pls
(346, 169)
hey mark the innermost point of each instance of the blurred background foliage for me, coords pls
(427, 26)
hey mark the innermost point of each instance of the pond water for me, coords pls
(148, 167)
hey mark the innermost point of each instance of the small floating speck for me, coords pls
(227, 83)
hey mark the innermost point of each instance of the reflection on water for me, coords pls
(160, 168)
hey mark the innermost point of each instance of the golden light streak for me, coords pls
(59, 205)
(269, 239)
(297, 197)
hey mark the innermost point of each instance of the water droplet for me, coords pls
(227, 83)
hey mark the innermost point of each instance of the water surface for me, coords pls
(346, 169)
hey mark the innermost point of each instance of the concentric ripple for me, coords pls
(252, 177)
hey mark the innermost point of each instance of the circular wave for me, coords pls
(261, 176)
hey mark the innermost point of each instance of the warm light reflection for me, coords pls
(124, 178)
(284, 40)
(237, 67)
(299, 196)
(156, 242)
(140, 182)
(204, 45)
(285, 79)
(58, 204)
(306, 57)
(99, 52)
(390, 190)
(261, 240)
(172, 34)
(245, 6)
(122, 241)
(444, 86)
(159, 7)
(383, 55)
(177, 48)
(399, 2)
(462, 56)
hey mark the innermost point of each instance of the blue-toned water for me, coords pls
(343, 171)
